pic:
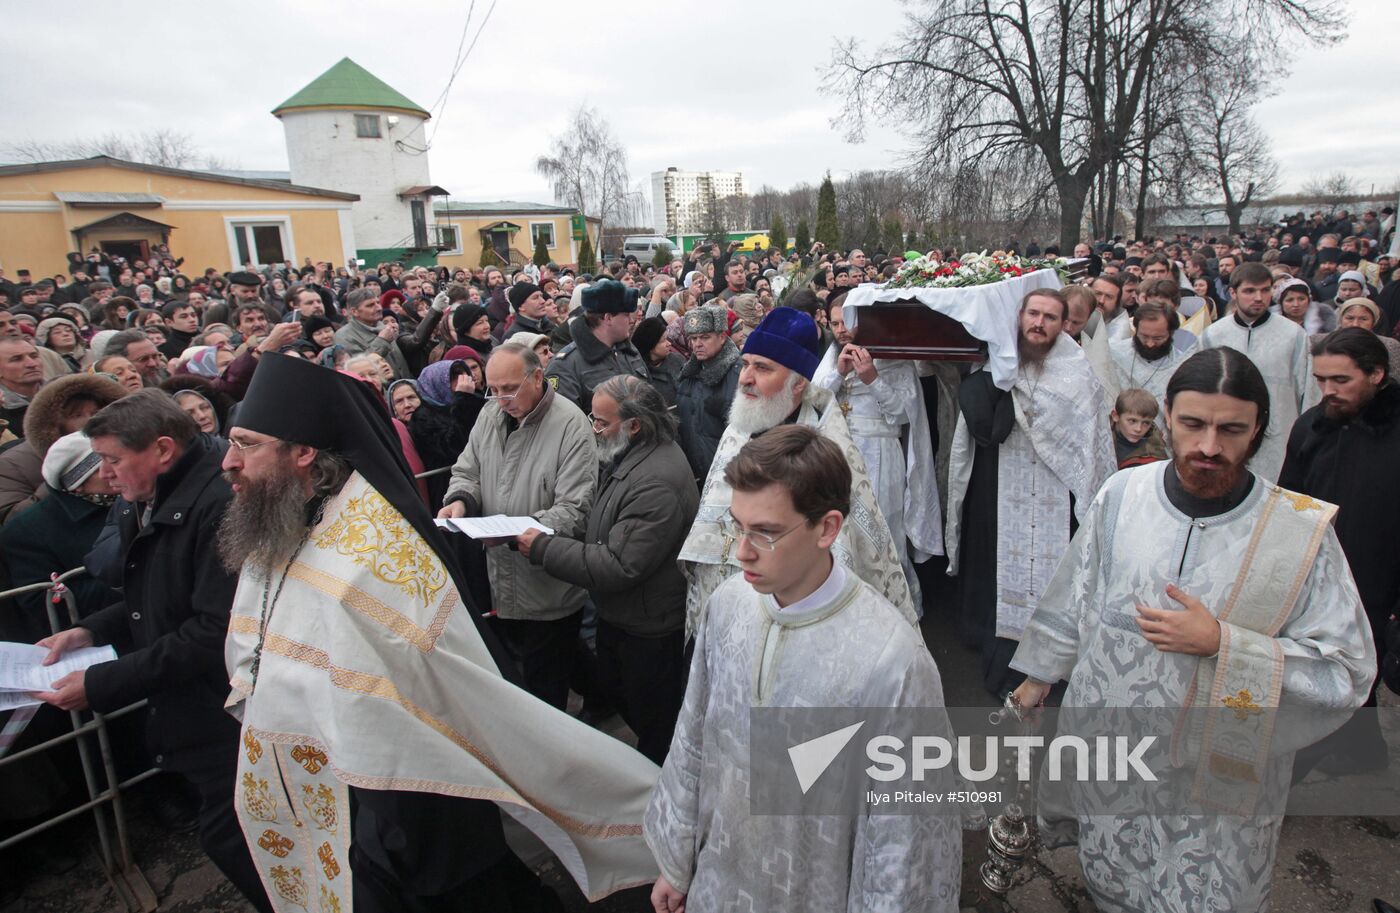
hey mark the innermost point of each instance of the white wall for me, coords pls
(324, 152)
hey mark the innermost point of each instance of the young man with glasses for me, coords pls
(795, 629)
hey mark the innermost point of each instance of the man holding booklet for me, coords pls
(531, 453)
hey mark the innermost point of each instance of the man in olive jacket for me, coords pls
(627, 558)
(530, 453)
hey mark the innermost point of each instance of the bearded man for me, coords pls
(779, 358)
(1344, 450)
(1147, 359)
(1170, 597)
(1036, 454)
(360, 668)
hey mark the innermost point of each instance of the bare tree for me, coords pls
(1234, 153)
(167, 147)
(588, 170)
(1332, 187)
(974, 80)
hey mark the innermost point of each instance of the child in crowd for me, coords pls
(1135, 435)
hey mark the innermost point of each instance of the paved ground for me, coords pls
(1325, 865)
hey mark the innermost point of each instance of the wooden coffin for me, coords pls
(909, 329)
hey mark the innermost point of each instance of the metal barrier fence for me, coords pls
(123, 873)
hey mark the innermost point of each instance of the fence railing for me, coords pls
(117, 862)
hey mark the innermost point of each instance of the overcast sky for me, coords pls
(736, 89)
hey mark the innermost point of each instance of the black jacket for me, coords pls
(169, 629)
(627, 557)
(49, 537)
(1352, 464)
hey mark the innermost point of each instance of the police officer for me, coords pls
(601, 346)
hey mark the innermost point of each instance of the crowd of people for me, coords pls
(732, 504)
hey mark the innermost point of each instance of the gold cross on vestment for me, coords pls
(845, 409)
(1243, 704)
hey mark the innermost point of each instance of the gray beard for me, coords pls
(263, 525)
(610, 448)
(756, 416)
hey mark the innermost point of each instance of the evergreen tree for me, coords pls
(869, 235)
(911, 242)
(662, 257)
(827, 230)
(488, 255)
(587, 260)
(777, 234)
(893, 237)
(802, 239)
(541, 256)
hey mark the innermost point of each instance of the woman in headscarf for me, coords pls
(201, 401)
(180, 287)
(333, 356)
(448, 409)
(61, 335)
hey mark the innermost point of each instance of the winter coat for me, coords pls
(545, 467)
(703, 396)
(170, 625)
(581, 366)
(627, 556)
(1351, 463)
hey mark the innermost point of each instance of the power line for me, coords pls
(460, 62)
(456, 59)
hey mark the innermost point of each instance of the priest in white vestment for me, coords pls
(780, 357)
(883, 402)
(1147, 359)
(795, 629)
(1198, 584)
(1279, 349)
(1023, 465)
(360, 668)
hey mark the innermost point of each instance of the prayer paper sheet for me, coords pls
(497, 527)
(21, 666)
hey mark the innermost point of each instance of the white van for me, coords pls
(644, 247)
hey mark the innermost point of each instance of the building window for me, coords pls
(449, 241)
(262, 243)
(367, 126)
(542, 230)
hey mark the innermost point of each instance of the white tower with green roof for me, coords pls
(348, 130)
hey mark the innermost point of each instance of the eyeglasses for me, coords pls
(244, 448)
(598, 422)
(732, 530)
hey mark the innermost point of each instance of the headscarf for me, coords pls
(99, 342)
(202, 361)
(328, 354)
(389, 393)
(435, 383)
(675, 335)
(41, 334)
(218, 425)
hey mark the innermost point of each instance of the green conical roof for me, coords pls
(347, 84)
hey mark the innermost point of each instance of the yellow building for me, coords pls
(125, 208)
(510, 231)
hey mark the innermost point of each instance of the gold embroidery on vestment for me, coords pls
(374, 534)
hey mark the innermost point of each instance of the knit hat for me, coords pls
(1366, 303)
(464, 317)
(392, 295)
(464, 353)
(519, 292)
(1350, 274)
(310, 325)
(789, 337)
(647, 334)
(708, 319)
(609, 296)
(70, 462)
